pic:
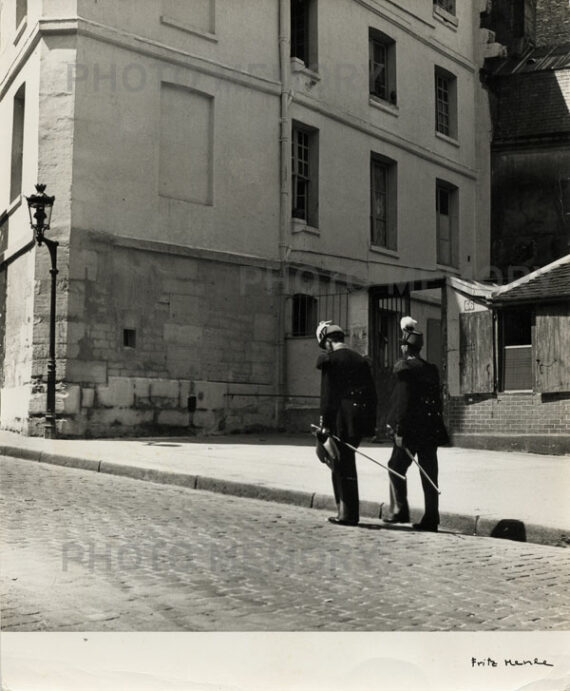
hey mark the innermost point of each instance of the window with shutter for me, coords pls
(516, 352)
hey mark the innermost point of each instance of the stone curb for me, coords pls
(463, 524)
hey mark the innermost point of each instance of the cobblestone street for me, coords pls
(88, 551)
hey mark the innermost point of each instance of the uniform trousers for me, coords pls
(400, 462)
(345, 483)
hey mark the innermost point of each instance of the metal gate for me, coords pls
(388, 305)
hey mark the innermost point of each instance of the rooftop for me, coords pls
(550, 283)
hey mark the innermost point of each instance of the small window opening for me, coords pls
(129, 338)
(517, 350)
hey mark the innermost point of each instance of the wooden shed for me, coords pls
(513, 388)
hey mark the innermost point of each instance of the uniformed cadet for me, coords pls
(416, 422)
(348, 411)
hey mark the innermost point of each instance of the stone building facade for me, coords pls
(224, 177)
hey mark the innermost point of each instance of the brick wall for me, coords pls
(517, 413)
(552, 22)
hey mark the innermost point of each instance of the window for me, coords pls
(21, 11)
(304, 32)
(305, 174)
(304, 315)
(17, 143)
(383, 202)
(516, 332)
(446, 204)
(445, 103)
(447, 5)
(382, 66)
(129, 338)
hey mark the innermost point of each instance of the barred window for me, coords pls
(304, 315)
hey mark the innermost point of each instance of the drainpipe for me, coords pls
(284, 198)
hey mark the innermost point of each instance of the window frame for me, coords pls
(446, 124)
(307, 16)
(389, 169)
(452, 192)
(505, 348)
(305, 170)
(17, 148)
(388, 91)
(304, 315)
(445, 6)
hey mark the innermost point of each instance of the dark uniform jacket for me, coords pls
(415, 406)
(348, 394)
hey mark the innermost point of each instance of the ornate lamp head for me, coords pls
(40, 206)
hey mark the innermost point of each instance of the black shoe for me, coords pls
(341, 521)
(426, 527)
(397, 518)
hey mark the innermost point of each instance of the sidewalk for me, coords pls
(479, 488)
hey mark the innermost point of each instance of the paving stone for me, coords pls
(86, 551)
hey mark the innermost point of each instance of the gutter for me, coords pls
(284, 198)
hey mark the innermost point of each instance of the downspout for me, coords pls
(445, 349)
(284, 200)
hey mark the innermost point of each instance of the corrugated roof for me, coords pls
(551, 282)
(532, 60)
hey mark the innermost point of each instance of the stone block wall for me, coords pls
(158, 341)
(18, 351)
(552, 22)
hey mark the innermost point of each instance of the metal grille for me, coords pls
(307, 311)
(304, 315)
(388, 307)
(334, 306)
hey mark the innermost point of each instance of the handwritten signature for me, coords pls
(509, 662)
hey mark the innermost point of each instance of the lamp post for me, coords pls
(40, 207)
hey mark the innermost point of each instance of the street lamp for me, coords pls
(40, 207)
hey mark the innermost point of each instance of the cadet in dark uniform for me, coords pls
(348, 410)
(416, 421)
